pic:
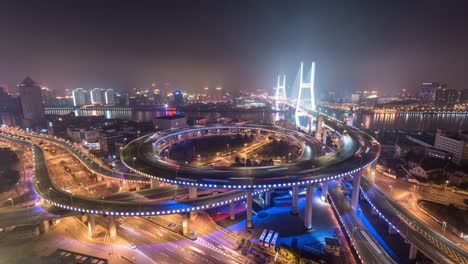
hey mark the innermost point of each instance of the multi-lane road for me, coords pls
(431, 243)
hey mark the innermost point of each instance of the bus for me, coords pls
(262, 236)
(266, 243)
(273, 240)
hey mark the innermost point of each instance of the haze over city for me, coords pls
(240, 132)
(237, 44)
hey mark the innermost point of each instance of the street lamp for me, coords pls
(289, 157)
(444, 226)
(446, 183)
(12, 202)
(133, 161)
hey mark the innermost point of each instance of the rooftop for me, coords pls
(429, 164)
(28, 82)
(461, 135)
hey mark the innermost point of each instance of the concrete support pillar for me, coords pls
(318, 131)
(295, 199)
(123, 185)
(99, 178)
(249, 209)
(193, 215)
(137, 186)
(308, 208)
(192, 192)
(154, 183)
(232, 211)
(324, 191)
(112, 227)
(413, 252)
(324, 136)
(185, 223)
(268, 198)
(350, 120)
(44, 226)
(91, 225)
(373, 168)
(356, 185)
(84, 218)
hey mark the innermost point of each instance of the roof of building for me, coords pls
(28, 82)
(425, 137)
(460, 135)
(332, 242)
(429, 164)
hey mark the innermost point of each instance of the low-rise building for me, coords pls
(23, 233)
(454, 143)
(458, 178)
(80, 134)
(428, 168)
(107, 140)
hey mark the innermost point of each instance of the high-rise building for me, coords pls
(428, 92)
(31, 104)
(109, 97)
(78, 97)
(452, 96)
(108, 138)
(157, 97)
(403, 93)
(48, 96)
(463, 96)
(445, 96)
(219, 91)
(178, 98)
(455, 144)
(96, 96)
(441, 96)
(10, 109)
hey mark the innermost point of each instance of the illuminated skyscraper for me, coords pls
(96, 96)
(48, 96)
(78, 97)
(178, 98)
(428, 92)
(109, 97)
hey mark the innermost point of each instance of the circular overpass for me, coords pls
(356, 151)
(145, 156)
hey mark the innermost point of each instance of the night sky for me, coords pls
(241, 45)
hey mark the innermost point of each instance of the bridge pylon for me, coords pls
(309, 102)
(280, 93)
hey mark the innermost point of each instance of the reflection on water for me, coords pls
(412, 121)
(405, 121)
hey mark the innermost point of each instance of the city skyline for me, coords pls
(238, 46)
(233, 132)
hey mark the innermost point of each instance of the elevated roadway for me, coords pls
(358, 151)
(428, 241)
